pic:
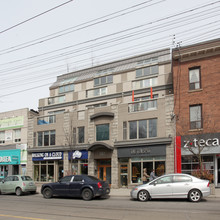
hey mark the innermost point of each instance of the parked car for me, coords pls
(83, 186)
(17, 184)
(173, 186)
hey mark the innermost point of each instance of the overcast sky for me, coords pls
(85, 33)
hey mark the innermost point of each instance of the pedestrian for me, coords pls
(152, 175)
(145, 176)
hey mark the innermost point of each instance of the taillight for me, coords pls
(208, 184)
(99, 185)
(24, 184)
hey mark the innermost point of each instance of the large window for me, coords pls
(66, 88)
(194, 78)
(2, 137)
(102, 132)
(103, 80)
(96, 92)
(44, 171)
(145, 83)
(195, 116)
(149, 70)
(138, 164)
(55, 100)
(143, 129)
(46, 138)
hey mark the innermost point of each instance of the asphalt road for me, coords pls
(35, 207)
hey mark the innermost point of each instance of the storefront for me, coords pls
(48, 166)
(132, 161)
(79, 161)
(206, 145)
(9, 162)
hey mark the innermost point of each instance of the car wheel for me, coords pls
(194, 195)
(18, 192)
(87, 194)
(47, 193)
(143, 196)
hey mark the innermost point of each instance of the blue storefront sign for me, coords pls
(78, 154)
(54, 155)
(8, 157)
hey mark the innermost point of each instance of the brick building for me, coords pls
(196, 82)
(110, 121)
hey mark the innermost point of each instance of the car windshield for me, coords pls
(26, 178)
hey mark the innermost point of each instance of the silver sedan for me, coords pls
(173, 186)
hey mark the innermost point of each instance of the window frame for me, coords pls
(99, 127)
(192, 85)
(195, 121)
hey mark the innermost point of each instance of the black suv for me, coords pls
(83, 186)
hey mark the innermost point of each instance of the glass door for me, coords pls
(104, 170)
(124, 175)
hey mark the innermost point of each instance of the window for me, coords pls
(148, 61)
(44, 171)
(66, 88)
(77, 179)
(46, 120)
(143, 129)
(181, 178)
(194, 78)
(102, 132)
(164, 180)
(55, 100)
(46, 138)
(124, 130)
(103, 80)
(66, 179)
(145, 83)
(81, 135)
(149, 70)
(17, 135)
(195, 117)
(96, 92)
(2, 137)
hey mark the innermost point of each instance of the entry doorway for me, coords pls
(104, 170)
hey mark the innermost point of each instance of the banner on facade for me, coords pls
(47, 156)
(78, 154)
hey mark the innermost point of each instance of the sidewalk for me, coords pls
(125, 192)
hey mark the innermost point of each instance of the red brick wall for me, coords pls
(208, 96)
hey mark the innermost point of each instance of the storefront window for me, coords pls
(136, 172)
(84, 166)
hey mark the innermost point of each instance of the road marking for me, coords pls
(13, 216)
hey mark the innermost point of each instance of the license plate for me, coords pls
(31, 184)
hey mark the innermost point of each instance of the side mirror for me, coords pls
(155, 183)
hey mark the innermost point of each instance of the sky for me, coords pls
(40, 40)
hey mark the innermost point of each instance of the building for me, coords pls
(110, 121)
(196, 81)
(13, 141)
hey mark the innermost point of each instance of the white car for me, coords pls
(173, 186)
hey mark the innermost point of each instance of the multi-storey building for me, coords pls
(110, 121)
(196, 77)
(13, 141)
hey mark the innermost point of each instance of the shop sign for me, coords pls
(47, 156)
(10, 157)
(78, 154)
(9, 123)
(205, 140)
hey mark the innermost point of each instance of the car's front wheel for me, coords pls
(18, 191)
(195, 195)
(87, 194)
(47, 193)
(143, 196)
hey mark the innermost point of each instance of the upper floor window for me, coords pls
(148, 61)
(2, 137)
(17, 135)
(46, 120)
(194, 78)
(145, 83)
(99, 105)
(81, 135)
(195, 116)
(66, 88)
(143, 129)
(103, 80)
(96, 92)
(146, 71)
(102, 132)
(46, 138)
(56, 100)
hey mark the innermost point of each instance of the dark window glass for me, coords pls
(52, 137)
(138, 72)
(147, 71)
(40, 138)
(46, 138)
(124, 130)
(154, 69)
(66, 179)
(102, 132)
(77, 179)
(133, 129)
(110, 78)
(81, 135)
(143, 129)
(153, 128)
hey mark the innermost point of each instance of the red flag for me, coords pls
(151, 92)
(133, 96)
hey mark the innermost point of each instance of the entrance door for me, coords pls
(104, 170)
(124, 174)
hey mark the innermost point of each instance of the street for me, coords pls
(35, 207)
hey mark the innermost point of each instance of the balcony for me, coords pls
(142, 106)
